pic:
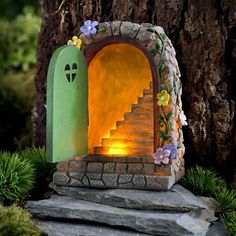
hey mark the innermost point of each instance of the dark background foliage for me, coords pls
(19, 23)
(10, 8)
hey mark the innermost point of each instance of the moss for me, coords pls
(15, 221)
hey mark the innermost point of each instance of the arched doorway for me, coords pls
(120, 111)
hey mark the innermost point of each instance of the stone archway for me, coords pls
(166, 166)
(161, 56)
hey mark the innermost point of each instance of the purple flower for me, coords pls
(161, 156)
(172, 150)
(89, 27)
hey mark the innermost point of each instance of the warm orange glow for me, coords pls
(116, 151)
(117, 74)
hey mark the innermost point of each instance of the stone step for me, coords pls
(145, 221)
(104, 150)
(136, 134)
(138, 116)
(177, 199)
(147, 92)
(109, 142)
(134, 124)
(141, 108)
(54, 228)
(150, 95)
(145, 101)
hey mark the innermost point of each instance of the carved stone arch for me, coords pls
(138, 172)
(160, 53)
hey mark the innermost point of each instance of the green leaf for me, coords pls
(163, 36)
(169, 115)
(160, 117)
(151, 30)
(154, 51)
(161, 79)
(168, 138)
(164, 87)
(158, 44)
(162, 134)
(101, 29)
(161, 67)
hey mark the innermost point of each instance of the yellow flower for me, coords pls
(75, 41)
(163, 98)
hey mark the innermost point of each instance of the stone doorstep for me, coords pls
(177, 199)
(113, 158)
(126, 166)
(113, 180)
(117, 172)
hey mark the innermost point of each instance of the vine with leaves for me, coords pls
(165, 115)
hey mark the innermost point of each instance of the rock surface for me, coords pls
(53, 228)
(177, 199)
(145, 221)
(217, 229)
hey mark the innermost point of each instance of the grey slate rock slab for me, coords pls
(145, 221)
(212, 208)
(176, 199)
(53, 228)
(217, 229)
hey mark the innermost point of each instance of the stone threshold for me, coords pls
(119, 165)
(113, 180)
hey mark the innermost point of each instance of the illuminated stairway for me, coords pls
(134, 134)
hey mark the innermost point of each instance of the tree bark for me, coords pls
(204, 35)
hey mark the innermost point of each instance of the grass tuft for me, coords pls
(229, 220)
(43, 170)
(203, 182)
(227, 200)
(206, 183)
(16, 177)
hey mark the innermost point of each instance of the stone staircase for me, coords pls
(134, 134)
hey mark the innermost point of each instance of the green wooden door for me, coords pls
(67, 105)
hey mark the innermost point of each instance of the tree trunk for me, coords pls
(204, 35)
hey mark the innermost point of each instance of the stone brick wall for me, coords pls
(135, 172)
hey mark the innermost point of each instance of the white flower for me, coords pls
(183, 118)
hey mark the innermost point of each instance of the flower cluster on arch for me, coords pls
(89, 28)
